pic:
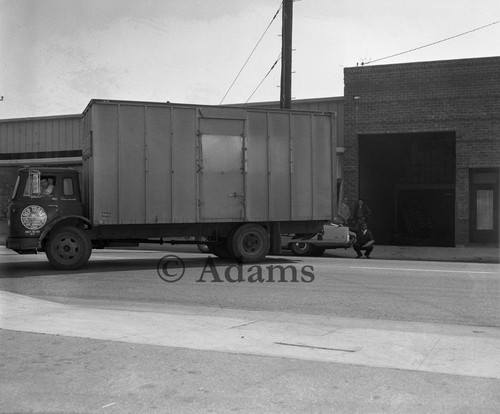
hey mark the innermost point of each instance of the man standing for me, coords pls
(364, 241)
(362, 214)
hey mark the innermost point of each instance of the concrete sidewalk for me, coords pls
(471, 254)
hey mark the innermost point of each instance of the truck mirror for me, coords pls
(16, 188)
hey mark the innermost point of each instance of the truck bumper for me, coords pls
(22, 245)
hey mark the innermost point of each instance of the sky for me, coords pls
(57, 55)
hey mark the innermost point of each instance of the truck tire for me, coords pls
(68, 248)
(306, 249)
(249, 243)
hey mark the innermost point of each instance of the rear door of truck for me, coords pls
(221, 169)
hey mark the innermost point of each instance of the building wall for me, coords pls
(19, 137)
(460, 96)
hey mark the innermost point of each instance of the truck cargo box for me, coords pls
(161, 163)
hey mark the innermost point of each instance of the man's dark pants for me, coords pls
(359, 248)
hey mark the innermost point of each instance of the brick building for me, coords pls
(419, 142)
(422, 147)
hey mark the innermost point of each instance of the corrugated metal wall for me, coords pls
(48, 134)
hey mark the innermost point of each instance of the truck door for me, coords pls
(221, 172)
(70, 202)
(35, 205)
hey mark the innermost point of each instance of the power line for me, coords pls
(431, 44)
(246, 61)
(267, 74)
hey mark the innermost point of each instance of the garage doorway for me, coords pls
(408, 180)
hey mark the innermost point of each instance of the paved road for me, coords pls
(347, 336)
(456, 293)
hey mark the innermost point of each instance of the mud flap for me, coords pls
(275, 241)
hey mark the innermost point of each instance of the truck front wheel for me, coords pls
(68, 248)
(249, 243)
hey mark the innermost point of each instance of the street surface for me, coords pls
(288, 335)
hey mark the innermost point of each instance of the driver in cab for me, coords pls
(47, 186)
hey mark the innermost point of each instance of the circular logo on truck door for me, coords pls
(33, 217)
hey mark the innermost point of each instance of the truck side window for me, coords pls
(68, 187)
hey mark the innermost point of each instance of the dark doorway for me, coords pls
(484, 198)
(408, 180)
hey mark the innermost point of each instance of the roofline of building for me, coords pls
(423, 64)
(306, 100)
(41, 118)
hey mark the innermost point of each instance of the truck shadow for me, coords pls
(43, 268)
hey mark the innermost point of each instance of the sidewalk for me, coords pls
(471, 254)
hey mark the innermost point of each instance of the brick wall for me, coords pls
(462, 96)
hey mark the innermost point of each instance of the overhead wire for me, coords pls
(246, 61)
(431, 44)
(267, 74)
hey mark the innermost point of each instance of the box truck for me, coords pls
(235, 177)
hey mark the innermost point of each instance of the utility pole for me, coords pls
(286, 55)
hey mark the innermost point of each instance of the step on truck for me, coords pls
(235, 177)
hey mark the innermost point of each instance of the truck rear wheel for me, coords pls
(68, 248)
(249, 243)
